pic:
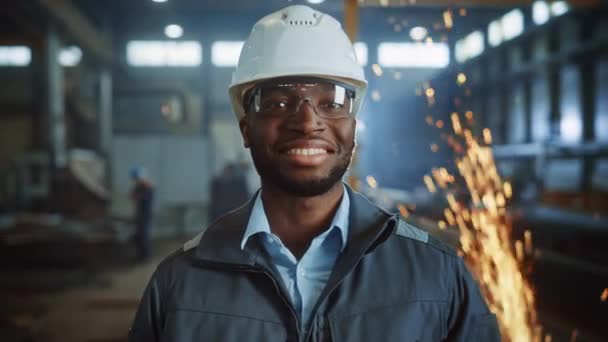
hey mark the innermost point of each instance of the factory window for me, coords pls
(571, 122)
(601, 101)
(226, 53)
(469, 47)
(414, 55)
(506, 28)
(15, 56)
(164, 53)
(541, 121)
(516, 128)
(495, 120)
(70, 56)
(361, 52)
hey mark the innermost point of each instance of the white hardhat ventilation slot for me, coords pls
(301, 23)
(300, 16)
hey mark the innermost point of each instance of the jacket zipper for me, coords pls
(315, 316)
(277, 288)
(283, 297)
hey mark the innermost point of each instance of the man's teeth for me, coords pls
(307, 151)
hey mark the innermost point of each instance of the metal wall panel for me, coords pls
(541, 108)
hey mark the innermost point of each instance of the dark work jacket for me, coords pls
(392, 282)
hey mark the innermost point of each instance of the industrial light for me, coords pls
(70, 56)
(15, 55)
(540, 12)
(164, 53)
(512, 24)
(316, 2)
(559, 7)
(418, 33)
(571, 127)
(494, 33)
(159, 1)
(470, 46)
(174, 31)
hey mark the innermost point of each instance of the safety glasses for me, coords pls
(328, 99)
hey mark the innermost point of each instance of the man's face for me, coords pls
(297, 144)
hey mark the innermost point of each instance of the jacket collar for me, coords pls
(221, 243)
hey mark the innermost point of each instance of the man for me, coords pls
(142, 195)
(308, 259)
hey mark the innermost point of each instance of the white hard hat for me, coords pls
(296, 41)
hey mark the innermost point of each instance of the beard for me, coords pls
(314, 186)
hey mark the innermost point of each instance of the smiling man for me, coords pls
(308, 259)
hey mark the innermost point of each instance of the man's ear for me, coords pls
(244, 126)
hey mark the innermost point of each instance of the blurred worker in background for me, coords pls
(308, 259)
(142, 195)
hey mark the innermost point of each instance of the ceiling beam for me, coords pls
(467, 3)
(76, 25)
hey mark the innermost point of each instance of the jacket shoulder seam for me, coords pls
(418, 235)
(408, 231)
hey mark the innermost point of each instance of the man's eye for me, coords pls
(274, 105)
(333, 105)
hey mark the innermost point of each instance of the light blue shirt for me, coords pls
(306, 278)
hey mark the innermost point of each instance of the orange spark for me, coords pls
(469, 115)
(403, 210)
(485, 235)
(441, 225)
(428, 181)
(371, 181)
(487, 136)
(447, 19)
(604, 295)
(456, 123)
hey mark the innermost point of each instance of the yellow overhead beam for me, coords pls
(351, 19)
(466, 3)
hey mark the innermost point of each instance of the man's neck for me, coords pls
(297, 220)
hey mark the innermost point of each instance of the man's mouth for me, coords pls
(306, 151)
(307, 156)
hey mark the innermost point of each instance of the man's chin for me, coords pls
(306, 188)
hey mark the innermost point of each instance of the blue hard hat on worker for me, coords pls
(297, 41)
(137, 172)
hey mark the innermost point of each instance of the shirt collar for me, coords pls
(258, 222)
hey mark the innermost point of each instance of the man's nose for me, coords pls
(305, 117)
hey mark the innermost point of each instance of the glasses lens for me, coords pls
(329, 100)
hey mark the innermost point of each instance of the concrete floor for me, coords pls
(100, 309)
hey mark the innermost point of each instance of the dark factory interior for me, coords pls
(485, 123)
